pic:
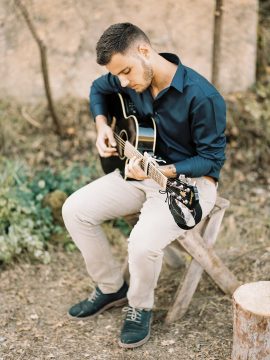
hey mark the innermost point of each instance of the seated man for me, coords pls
(190, 118)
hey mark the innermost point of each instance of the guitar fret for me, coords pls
(158, 176)
(130, 151)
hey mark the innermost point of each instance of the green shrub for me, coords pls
(26, 224)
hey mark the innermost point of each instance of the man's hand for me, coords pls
(133, 169)
(105, 143)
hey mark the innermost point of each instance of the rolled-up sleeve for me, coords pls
(208, 122)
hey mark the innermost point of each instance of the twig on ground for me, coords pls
(29, 119)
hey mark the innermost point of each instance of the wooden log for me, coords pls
(251, 326)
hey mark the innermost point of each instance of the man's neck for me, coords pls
(164, 72)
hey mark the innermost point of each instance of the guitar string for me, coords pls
(152, 167)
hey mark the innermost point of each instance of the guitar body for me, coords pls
(140, 132)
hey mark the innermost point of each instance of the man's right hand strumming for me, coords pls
(105, 143)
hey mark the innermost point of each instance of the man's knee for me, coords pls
(69, 209)
(79, 208)
(139, 250)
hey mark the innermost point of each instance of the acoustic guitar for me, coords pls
(136, 136)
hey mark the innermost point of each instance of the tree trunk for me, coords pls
(251, 327)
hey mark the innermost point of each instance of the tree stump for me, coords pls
(251, 325)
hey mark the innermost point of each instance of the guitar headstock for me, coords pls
(183, 190)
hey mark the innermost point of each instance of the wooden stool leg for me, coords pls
(206, 260)
(173, 257)
(125, 270)
(185, 292)
(210, 262)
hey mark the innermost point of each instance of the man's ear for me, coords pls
(144, 50)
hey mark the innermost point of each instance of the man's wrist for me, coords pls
(168, 170)
(101, 120)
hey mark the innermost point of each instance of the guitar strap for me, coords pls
(178, 214)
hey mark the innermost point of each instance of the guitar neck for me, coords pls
(153, 172)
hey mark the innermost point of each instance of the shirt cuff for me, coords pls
(183, 167)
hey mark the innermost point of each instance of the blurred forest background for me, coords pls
(41, 166)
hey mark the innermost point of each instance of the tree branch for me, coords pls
(44, 64)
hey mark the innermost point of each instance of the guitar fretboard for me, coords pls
(130, 151)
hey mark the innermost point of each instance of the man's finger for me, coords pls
(102, 148)
(110, 150)
(103, 153)
(111, 139)
(135, 164)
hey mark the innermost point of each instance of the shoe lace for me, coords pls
(93, 296)
(133, 314)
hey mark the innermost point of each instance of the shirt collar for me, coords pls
(178, 79)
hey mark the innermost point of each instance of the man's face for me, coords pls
(132, 69)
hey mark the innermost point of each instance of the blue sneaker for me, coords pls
(136, 329)
(98, 302)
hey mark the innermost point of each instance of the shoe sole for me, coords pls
(116, 303)
(134, 345)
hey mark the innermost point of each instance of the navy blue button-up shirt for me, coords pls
(190, 117)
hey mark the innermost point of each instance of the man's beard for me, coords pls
(147, 74)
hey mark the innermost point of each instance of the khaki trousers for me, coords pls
(111, 197)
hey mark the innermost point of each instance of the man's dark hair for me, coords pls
(117, 39)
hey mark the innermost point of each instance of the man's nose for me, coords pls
(124, 82)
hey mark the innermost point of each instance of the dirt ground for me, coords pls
(35, 298)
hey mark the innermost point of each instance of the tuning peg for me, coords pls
(185, 202)
(179, 197)
(187, 190)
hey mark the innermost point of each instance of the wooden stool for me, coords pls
(198, 243)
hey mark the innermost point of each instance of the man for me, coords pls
(190, 118)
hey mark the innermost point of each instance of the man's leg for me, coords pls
(155, 229)
(84, 211)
